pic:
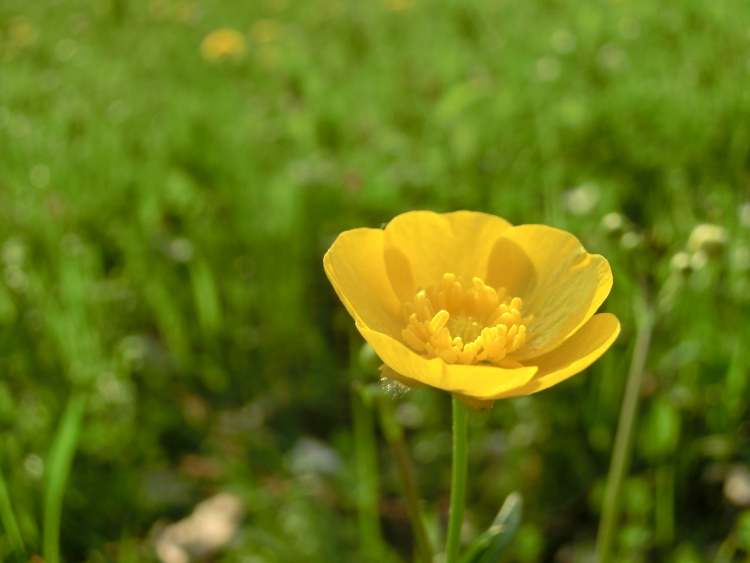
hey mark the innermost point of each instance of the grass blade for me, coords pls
(8, 518)
(60, 461)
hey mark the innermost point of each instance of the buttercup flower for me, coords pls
(468, 303)
(223, 43)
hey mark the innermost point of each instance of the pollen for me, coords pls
(465, 324)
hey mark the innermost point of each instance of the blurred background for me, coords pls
(172, 171)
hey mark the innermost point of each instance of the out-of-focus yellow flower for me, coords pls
(173, 10)
(468, 303)
(185, 12)
(398, 5)
(222, 44)
(265, 31)
(21, 34)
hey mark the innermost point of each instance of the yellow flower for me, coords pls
(468, 303)
(222, 44)
(21, 34)
(265, 31)
(398, 5)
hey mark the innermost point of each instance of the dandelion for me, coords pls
(470, 304)
(223, 44)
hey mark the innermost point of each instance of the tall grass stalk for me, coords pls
(8, 518)
(368, 484)
(394, 435)
(623, 440)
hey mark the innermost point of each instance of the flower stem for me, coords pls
(623, 438)
(458, 480)
(394, 435)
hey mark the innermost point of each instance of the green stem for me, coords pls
(60, 461)
(367, 477)
(458, 480)
(8, 518)
(394, 435)
(623, 439)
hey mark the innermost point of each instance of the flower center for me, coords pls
(464, 325)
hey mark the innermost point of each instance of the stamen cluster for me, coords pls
(465, 325)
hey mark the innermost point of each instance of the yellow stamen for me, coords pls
(465, 325)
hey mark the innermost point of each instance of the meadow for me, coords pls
(167, 331)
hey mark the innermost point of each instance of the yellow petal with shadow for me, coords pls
(356, 268)
(573, 356)
(478, 381)
(560, 283)
(421, 246)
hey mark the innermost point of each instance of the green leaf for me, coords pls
(490, 546)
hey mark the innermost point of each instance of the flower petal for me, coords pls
(356, 268)
(576, 354)
(420, 246)
(478, 381)
(560, 283)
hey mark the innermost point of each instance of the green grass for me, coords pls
(163, 219)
